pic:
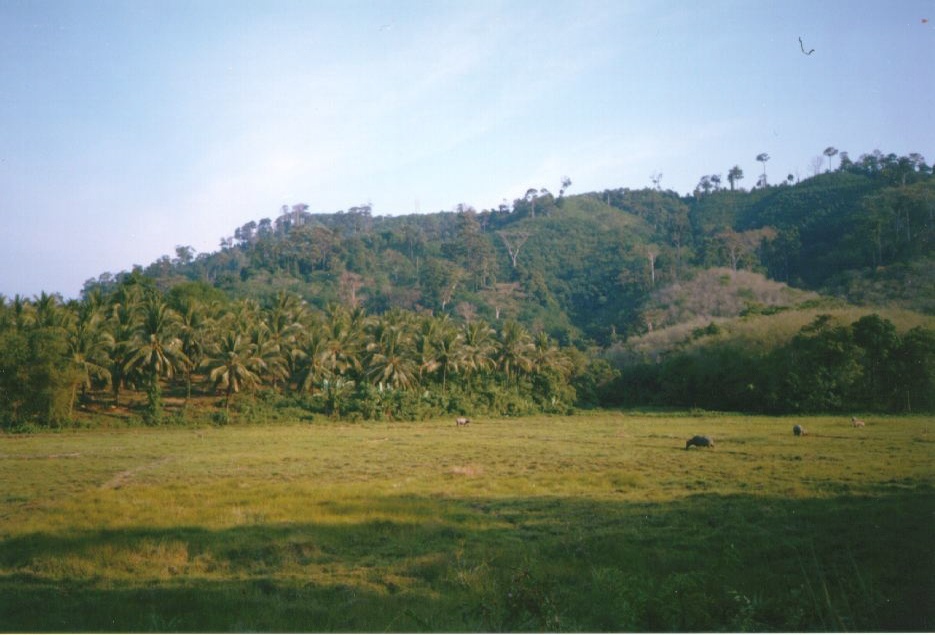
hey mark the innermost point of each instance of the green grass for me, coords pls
(599, 522)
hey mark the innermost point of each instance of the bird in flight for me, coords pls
(809, 52)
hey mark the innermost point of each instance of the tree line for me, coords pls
(57, 356)
(829, 365)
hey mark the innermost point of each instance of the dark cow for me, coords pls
(799, 431)
(700, 441)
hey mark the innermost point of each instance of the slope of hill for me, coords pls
(593, 268)
(518, 309)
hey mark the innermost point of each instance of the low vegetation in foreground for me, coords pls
(599, 522)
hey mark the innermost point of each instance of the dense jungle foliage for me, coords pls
(636, 297)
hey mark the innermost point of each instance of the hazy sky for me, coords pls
(130, 127)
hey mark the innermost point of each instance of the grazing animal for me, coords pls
(700, 441)
(799, 431)
(857, 423)
(462, 421)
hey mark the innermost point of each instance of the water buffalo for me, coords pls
(700, 441)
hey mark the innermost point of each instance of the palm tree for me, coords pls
(195, 327)
(312, 368)
(156, 349)
(345, 342)
(269, 350)
(448, 345)
(49, 313)
(233, 364)
(88, 344)
(122, 320)
(23, 312)
(244, 317)
(547, 356)
(425, 347)
(479, 347)
(391, 360)
(514, 349)
(551, 369)
(283, 324)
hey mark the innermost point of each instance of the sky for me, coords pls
(130, 127)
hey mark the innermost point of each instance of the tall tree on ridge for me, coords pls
(531, 195)
(763, 158)
(734, 175)
(566, 183)
(829, 152)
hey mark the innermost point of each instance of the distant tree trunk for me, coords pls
(519, 239)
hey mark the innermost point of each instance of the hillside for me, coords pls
(556, 268)
(788, 298)
(590, 268)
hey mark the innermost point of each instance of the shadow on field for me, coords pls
(702, 563)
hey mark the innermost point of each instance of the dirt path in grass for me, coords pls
(122, 478)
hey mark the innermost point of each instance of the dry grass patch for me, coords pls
(466, 470)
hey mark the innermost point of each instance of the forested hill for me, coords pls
(815, 296)
(589, 268)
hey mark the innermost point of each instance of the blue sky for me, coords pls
(130, 127)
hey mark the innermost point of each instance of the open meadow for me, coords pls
(594, 522)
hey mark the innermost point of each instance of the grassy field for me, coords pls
(597, 522)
